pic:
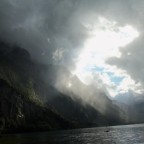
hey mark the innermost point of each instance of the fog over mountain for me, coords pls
(91, 49)
(56, 32)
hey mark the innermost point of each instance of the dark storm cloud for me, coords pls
(53, 30)
(41, 26)
(132, 59)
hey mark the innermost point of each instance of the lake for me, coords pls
(127, 134)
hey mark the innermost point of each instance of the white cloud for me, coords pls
(58, 54)
(105, 40)
(88, 33)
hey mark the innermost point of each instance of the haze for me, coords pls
(99, 41)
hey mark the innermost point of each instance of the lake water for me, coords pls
(129, 134)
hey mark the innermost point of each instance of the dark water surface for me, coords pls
(129, 134)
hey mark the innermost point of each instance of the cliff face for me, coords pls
(28, 100)
(17, 113)
(84, 104)
(21, 104)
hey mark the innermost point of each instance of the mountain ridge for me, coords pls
(34, 84)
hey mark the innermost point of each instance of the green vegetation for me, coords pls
(28, 101)
(14, 81)
(21, 106)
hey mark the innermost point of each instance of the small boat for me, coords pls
(107, 129)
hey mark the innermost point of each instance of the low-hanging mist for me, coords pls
(91, 50)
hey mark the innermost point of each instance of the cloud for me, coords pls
(55, 31)
(31, 23)
(131, 61)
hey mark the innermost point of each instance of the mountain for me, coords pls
(35, 96)
(82, 104)
(19, 113)
(133, 104)
(81, 114)
(21, 108)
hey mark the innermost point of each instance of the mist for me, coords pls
(55, 33)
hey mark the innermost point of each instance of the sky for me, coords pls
(99, 41)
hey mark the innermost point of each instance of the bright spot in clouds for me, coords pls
(105, 40)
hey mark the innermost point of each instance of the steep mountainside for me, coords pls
(18, 113)
(29, 100)
(85, 102)
(81, 114)
(133, 105)
(21, 108)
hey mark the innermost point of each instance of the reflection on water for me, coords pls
(131, 134)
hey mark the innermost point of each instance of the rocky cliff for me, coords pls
(29, 101)
(18, 113)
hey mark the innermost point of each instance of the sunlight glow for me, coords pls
(105, 40)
